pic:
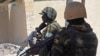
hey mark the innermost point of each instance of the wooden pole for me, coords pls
(83, 1)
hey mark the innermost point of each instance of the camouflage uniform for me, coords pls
(75, 41)
(49, 16)
(50, 30)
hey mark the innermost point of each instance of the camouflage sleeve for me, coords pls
(50, 31)
(57, 39)
(62, 37)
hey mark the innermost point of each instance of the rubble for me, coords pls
(8, 49)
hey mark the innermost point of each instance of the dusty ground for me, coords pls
(8, 49)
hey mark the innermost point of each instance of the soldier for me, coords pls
(52, 27)
(78, 39)
(49, 16)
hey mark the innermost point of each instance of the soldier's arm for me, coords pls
(62, 38)
(41, 26)
(50, 31)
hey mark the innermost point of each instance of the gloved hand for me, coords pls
(39, 36)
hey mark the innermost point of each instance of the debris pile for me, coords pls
(8, 49)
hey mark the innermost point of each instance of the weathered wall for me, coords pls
(29, 11)
(17, 24)
(4, 28)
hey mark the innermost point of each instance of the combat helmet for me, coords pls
(75, 10)
(51, 12)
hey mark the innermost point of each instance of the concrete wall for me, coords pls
(17, 24)
(4, 28)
